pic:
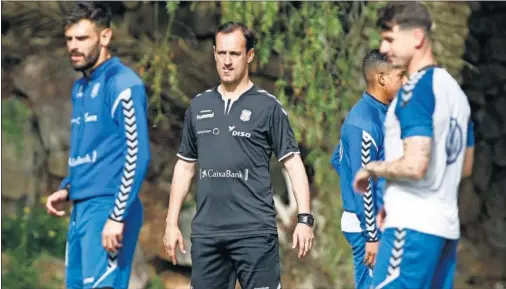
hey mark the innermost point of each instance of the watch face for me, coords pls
(306, 219)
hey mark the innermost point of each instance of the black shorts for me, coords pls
(218, 262)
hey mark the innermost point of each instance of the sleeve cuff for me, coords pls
(111, 217)
(186, 158)
(287, 155)
(372, 236)
(421, 130)
(64, 186)
(470, 136)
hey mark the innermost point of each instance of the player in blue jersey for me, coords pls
(108, 159)
(362, 142)
(428, 148)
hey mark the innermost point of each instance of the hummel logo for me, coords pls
(207, 113)
(90, 117)
(230, 128)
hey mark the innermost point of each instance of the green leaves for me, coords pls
(34, 232)
(262, 16)
(171, 7)
(15, 116)
(158, 70)
(25, 238)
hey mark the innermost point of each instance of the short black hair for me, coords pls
(232, 26)
(404, 14)
(372, 61)
(94, 11)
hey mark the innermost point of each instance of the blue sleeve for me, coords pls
(470, 134)
(76, 90)
(129, 111)
(380, 192)
(362, 150)
(336, 157)
(414, 110)
(64, 183)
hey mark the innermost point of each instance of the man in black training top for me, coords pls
(231, 131)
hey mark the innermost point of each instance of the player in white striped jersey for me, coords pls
(428, 147)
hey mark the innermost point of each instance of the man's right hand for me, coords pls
(171, 239)
(54, 199)
(371, 250)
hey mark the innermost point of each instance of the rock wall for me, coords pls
(483, 198)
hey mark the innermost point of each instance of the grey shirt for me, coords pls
(233, 143)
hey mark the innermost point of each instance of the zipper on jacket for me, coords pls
(80, 130)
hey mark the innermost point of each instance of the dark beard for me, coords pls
(90, 60)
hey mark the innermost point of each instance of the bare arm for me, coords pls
(181, 182)
(412, 165)
(467, 168)
(295, 168)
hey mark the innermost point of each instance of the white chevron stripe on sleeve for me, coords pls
(370, 220)
(132, 143)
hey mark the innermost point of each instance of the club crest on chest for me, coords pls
(245, 115)
(94, 91)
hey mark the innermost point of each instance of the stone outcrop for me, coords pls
(482, 197)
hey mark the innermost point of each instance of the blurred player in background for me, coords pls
(362, 142)
(109, 156)
(428, 148)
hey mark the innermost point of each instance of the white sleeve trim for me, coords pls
(275, 98)
(124, 95)
(288, 154)
(186, 158)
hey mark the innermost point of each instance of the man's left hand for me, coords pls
(303, 237)
(112, 236)
(361, 181)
